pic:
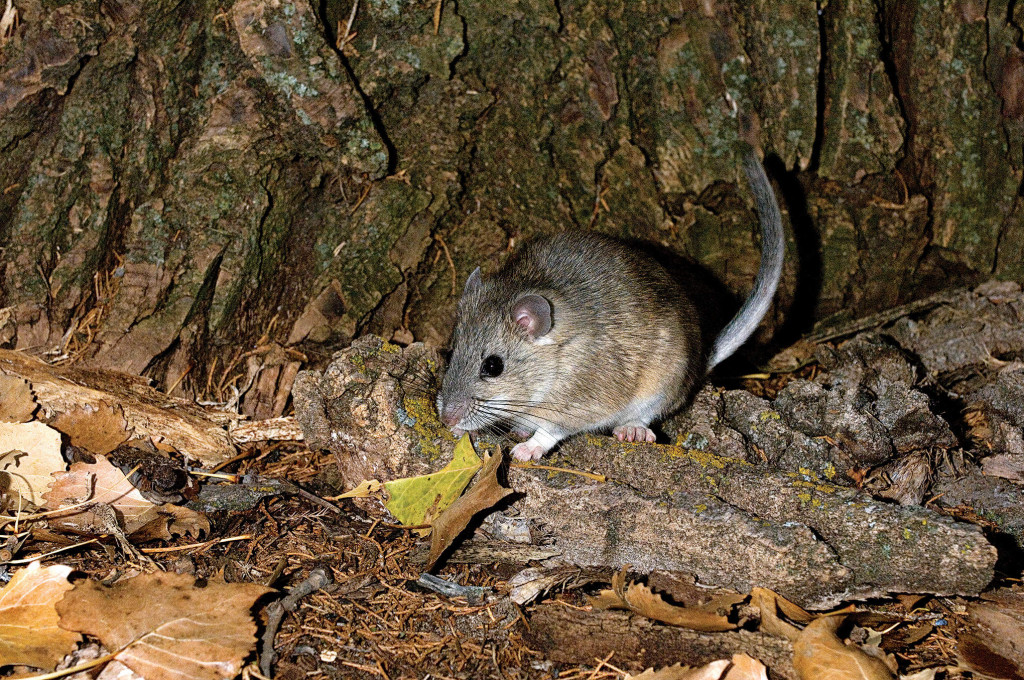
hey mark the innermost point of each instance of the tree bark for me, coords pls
(190, 181)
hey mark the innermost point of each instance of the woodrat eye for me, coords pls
(492, 367)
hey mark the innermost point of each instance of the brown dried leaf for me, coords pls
(29, 634)
(174, 520)
(819, 654)
(771, 606)
(746, 668)
(484, 494)
(640, 599)
(98, 482)
(16, 401)
(97, 428)
(165, 627)
(29, 455)
(993, 644)
(711, 671)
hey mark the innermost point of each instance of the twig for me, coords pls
(449, 589)
(348, 27)
(317, 579)
(26, 560)
(204, 544)
(533, 466)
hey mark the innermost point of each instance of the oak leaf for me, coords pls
(640, 599)
(174, 520)
(485, 493)
(29, 634)
(97, 428)
(29, 455)
(16, 401)
(98, 482)
(101, 484)
(164, 627)
(819, 654)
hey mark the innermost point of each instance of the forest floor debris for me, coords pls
(259, 543)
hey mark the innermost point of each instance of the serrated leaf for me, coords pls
(98, 482)
(165, 627)
(416, 500)
(16, 401)
(29, 634)
(640, 599)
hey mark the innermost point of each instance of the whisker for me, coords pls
(533, 407)
(522, 420)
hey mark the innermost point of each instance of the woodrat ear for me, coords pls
(472, 283)
(532, 313)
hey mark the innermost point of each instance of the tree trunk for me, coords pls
(189, 181)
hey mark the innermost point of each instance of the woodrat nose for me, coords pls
(451, 414)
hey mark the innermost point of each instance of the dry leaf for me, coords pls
(711, 671)
(992, 644)
(174, 520)
(101, 483)
(28, 621)
(640, 599)
(746, 668)
(771, 605)
(483, 495)
(98, 428)
(164, 627)
(98, 482)
(16, 401)
(818, 654)
(923, 674)
(29, 472)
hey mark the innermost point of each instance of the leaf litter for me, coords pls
(372, 620)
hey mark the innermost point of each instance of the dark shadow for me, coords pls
(1009, 561)
(799, 318)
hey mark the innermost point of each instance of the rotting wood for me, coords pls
(572, 635)
(752, 493)
(169, 421)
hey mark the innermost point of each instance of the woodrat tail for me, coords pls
(756, 305)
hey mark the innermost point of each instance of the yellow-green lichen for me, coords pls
(704, 458)
(427, 429)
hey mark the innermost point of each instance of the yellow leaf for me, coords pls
(412, 498)
(366, 489)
